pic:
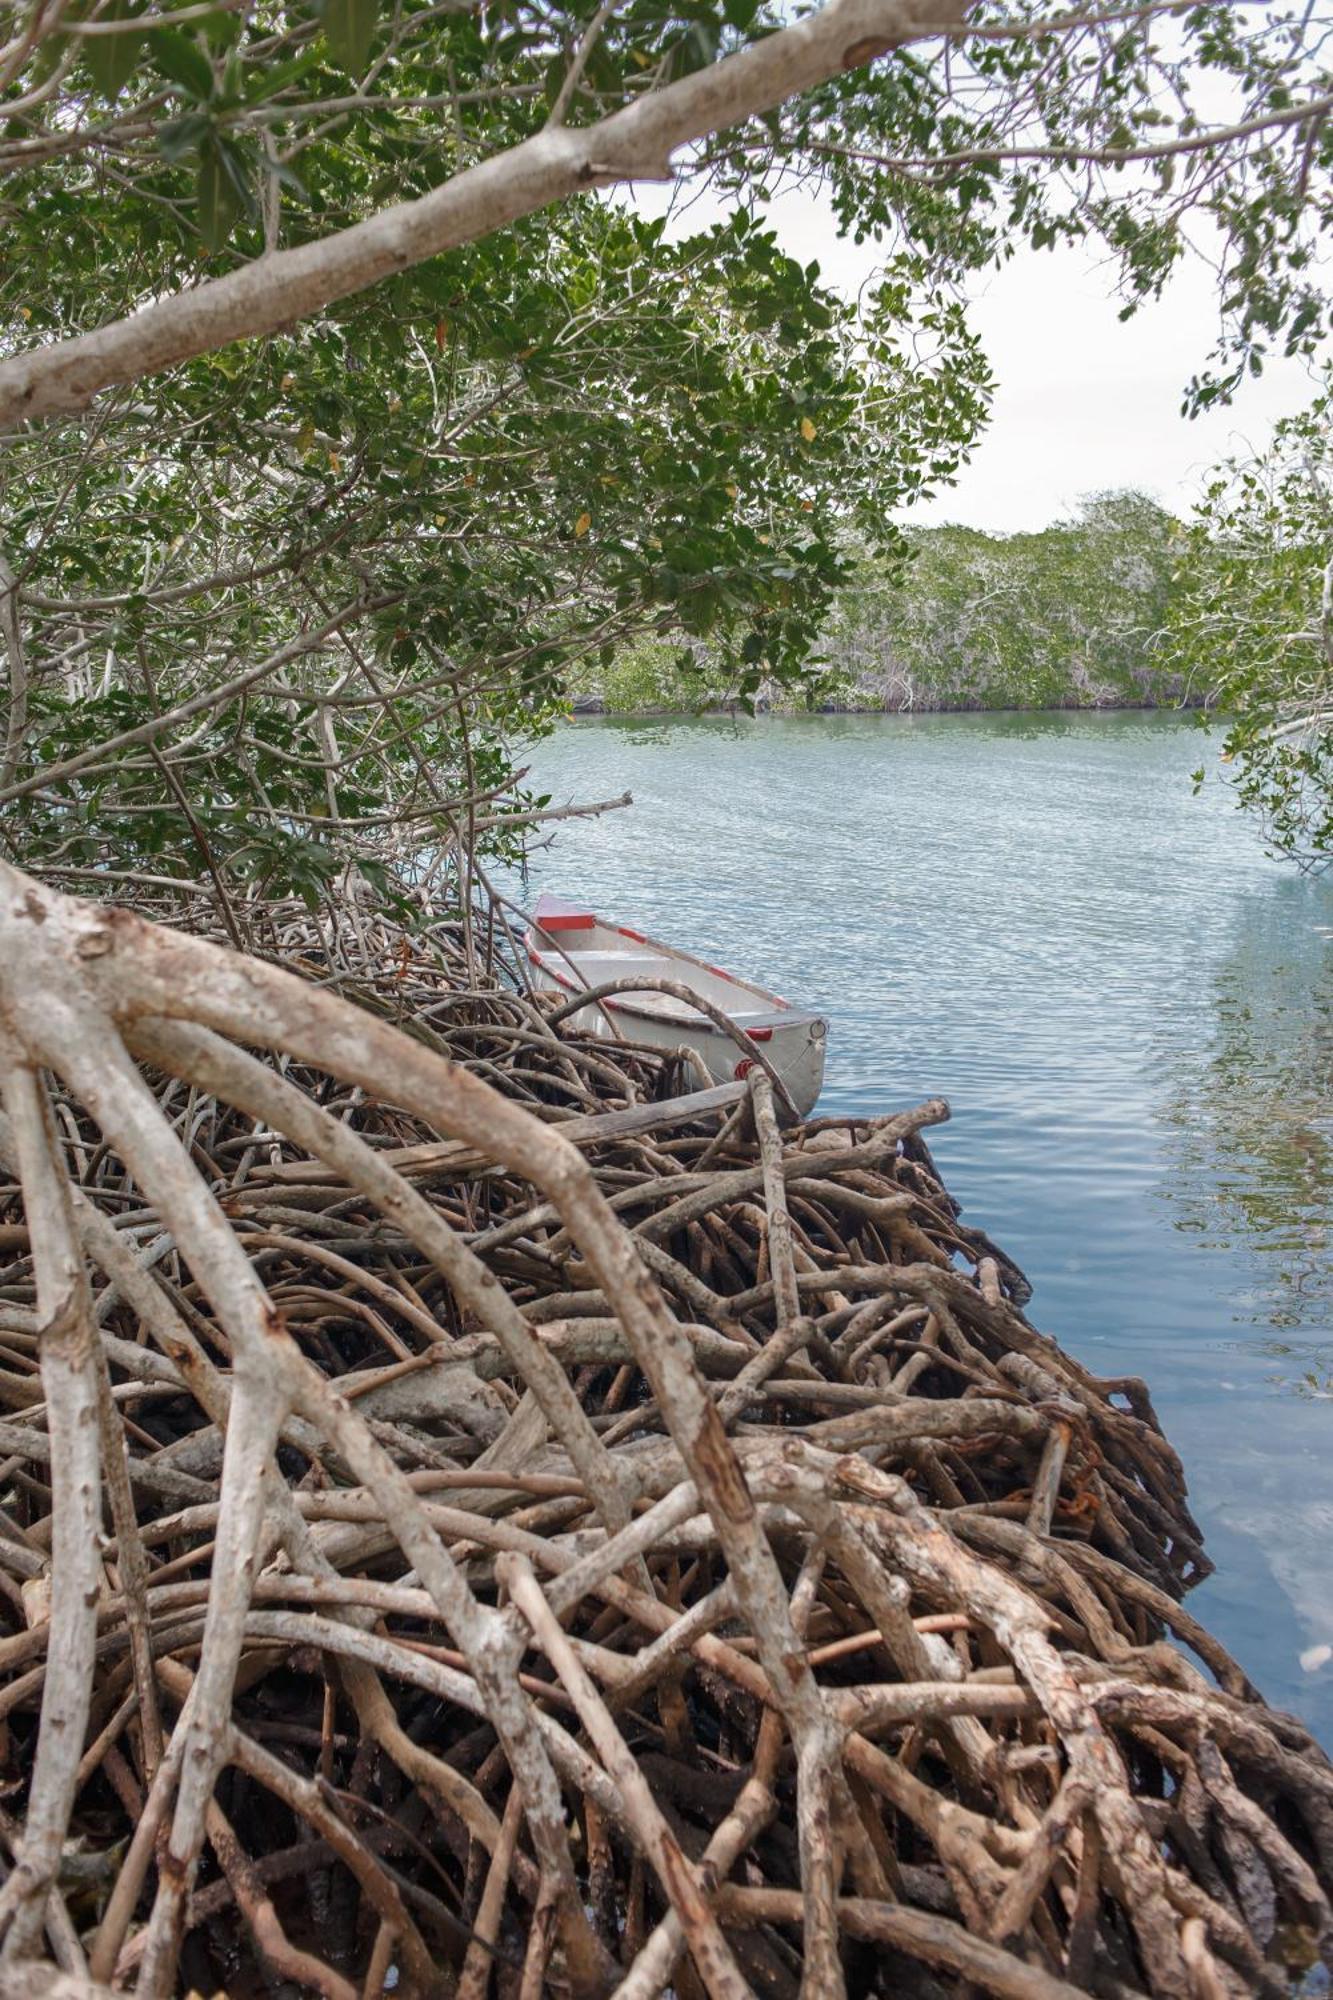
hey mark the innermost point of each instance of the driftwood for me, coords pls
(442, 1554)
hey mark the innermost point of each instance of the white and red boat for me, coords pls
(578, 951)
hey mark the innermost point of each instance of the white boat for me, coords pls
(577, 951)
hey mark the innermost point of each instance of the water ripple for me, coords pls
(1130, 1009)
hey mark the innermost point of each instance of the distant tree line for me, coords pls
(1070, 617)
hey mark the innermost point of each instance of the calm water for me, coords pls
(1131, 1012)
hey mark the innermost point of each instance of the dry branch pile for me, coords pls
(547, 1539)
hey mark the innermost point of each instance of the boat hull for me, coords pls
(795, 1051)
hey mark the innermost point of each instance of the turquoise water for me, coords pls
(1130, 1010)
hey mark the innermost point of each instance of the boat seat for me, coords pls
(595, 966)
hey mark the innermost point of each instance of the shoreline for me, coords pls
(593, 708)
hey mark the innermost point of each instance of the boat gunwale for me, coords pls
(791, 1016)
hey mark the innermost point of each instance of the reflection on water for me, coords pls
(1303, 1368)
(1131, 1012)
(1253, 1123)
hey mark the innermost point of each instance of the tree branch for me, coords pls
(199, 704)
(16, 708)
(1312, 112)
(635, 143)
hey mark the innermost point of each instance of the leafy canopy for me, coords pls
(1252, 625)
(279, 609)
(425, 508)
(140, 139)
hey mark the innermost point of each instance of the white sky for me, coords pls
(1084, 402)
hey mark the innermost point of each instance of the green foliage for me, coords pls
(349, 26)
(1069, 617)
(952, 150)
(649, 675)
(112, 58)
(1252, 626)
(1101, 132)
(1062, 618)
(413, 518)
(496, 466)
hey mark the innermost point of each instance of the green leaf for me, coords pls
(220, 190)
(48, 58)
(182, 136)
(181, 61)
(219, 28)
(349, 26)
(112, 58)
(277, 76)
(286, 176)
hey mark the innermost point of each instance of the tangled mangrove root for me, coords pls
(475, 1520)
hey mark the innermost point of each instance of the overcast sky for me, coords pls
(1084, 402)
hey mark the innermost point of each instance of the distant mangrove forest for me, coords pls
(1073, 616)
